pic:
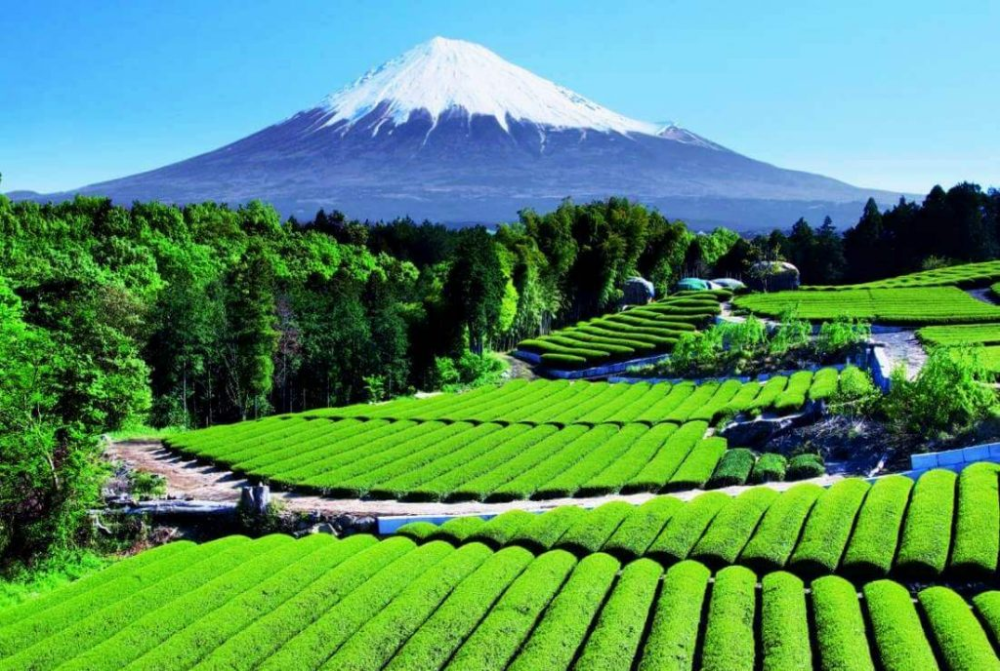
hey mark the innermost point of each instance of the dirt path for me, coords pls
(189, 479)
(903, 347)
(519, 370)
(985, 295)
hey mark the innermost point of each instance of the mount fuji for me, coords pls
(451, 132)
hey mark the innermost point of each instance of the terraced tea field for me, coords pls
(637, 332)
(985, 338)
(963, 275)
(521, 440)
(942, 525)
(359, 603)
(901, 306)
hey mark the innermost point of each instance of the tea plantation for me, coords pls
(901, 306)
(941, 525)
(361, 603)
(640, 331)
(521, 440)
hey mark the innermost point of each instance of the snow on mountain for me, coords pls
(671, 131)
(442, 75)
(451, 132)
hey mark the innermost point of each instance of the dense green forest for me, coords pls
(196, 315)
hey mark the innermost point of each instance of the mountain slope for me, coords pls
(452, 132)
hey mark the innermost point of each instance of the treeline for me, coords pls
(960, 225)
(205, 314)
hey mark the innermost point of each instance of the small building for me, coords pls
(773, 276)
(638, 291)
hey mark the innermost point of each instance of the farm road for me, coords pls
(190, 479)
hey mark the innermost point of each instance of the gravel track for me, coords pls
(190, 479)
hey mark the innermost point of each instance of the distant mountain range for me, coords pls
(451, 132)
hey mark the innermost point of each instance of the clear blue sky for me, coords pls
(884, 93)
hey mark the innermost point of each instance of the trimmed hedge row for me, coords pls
(908, 306)
(495, 443)
(358, 603)
(784, 626)
(638, 331)
(859, 531)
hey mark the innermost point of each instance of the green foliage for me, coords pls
(469, 371)
(896, 627)
(805, 466)
(641, 527)
(673, 636)
(977, 522)
(877, 531)
(902, 306)
(951, 393)
(566, 622)
(729, 636)
(841, 642)
(144, 485)
(732, 527)
(926, 537)
(770, 467)
(775, 538)
(792, 332)
(828, 528)
(498, 638)
(734, 468)
(784, 625)
(618, 632)
(841, 335)
(856, 394)
(959, 637)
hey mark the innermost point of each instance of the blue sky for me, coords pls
(888, 94)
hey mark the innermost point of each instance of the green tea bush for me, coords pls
(729, 634)
(876, 533)
(770, 467)
(896, 627)
(959, 637)
(856, 395)
(733, 469)
(673, 637)
(784, 624)
(805, 466)
(839, 626)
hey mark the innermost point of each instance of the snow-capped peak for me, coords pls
(444, 74)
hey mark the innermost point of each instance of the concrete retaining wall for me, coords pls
(880, 366)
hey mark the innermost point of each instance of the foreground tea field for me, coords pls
(359, 603)
(943, 525)
(902, 306)
(640, 331)
(521, 440)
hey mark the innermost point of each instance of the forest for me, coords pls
(206, 314)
